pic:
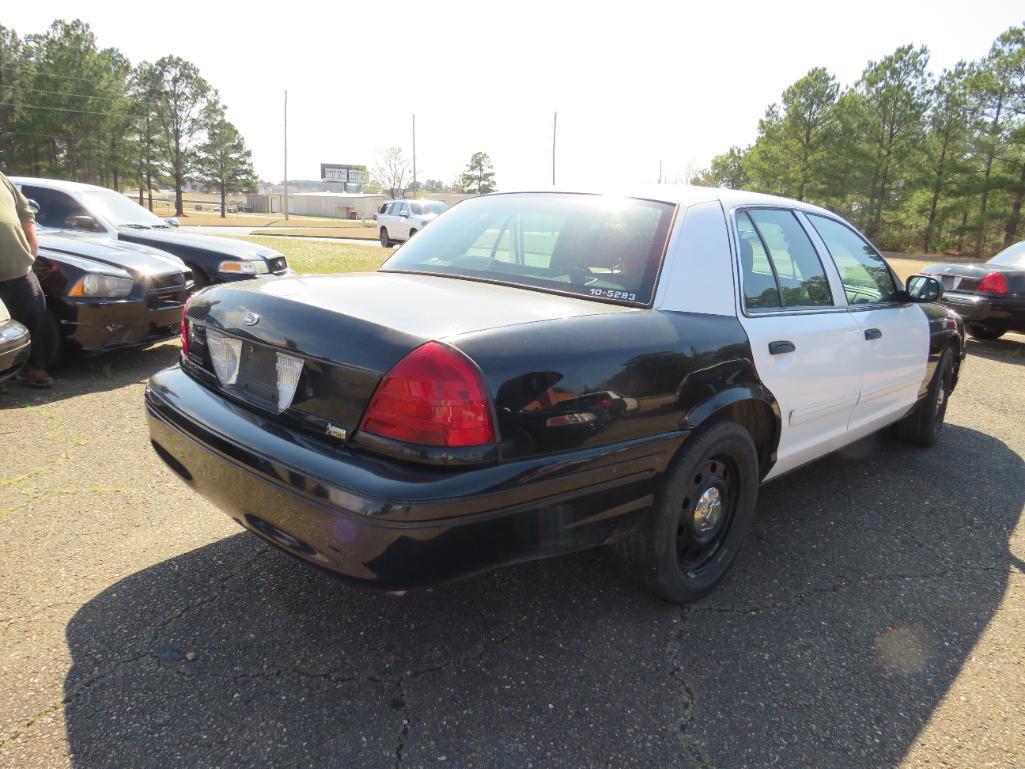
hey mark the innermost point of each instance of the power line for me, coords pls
(77, 95)
(31, 71)
(69, 109)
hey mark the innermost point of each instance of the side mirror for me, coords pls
(173, 221)
(923, 288)
(34, 206)
(82, 222)
(404, 214)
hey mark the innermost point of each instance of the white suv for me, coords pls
(400, 220)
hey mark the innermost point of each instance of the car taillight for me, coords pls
(434, 396)
(185, 328)
(994, 283)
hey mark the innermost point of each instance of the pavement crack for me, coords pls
(690, 744)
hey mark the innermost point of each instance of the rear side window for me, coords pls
(780, 266)
(593, 246)
(865, 275)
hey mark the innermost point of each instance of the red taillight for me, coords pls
(433, 397)
(185, 328)
(994, 283)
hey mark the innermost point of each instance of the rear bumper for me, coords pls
(389, 524)
(97, 325)
(14, 347)
(1005, 313)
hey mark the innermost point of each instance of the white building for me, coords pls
(336, 205)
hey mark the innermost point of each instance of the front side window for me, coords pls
(865, 275)
(589, 245)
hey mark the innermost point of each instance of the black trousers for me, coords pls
(27, 304)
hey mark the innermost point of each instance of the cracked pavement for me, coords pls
(874, 618)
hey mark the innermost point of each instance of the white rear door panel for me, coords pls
(816, 385)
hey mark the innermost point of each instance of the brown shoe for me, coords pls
(34, 377)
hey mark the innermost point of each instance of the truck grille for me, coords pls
(169, 290)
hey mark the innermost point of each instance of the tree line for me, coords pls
(70, 110)
(918, 161)
(391, 174)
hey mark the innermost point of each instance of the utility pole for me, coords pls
(286, 154)
(555, 125)
(414, 156)
(660, 172)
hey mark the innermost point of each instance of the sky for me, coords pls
(635, 84)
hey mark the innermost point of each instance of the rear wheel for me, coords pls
(702, 512)
(984, 332)
(411, 234)
(923, 425)
(385, 240)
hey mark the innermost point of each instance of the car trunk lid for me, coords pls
(349, 331)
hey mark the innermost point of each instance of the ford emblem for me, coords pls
(250, 318)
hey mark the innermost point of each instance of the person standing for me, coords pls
(19, 287)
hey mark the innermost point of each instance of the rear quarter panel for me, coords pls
(605, 378)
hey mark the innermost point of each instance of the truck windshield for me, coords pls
(594, 246)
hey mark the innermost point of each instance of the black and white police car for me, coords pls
(542, 372)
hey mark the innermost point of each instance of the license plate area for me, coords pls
(257, 376)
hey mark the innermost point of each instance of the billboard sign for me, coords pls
(344, 173)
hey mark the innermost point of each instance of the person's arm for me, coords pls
(30, 235)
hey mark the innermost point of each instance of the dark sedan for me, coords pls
(102, 295)
(87, 208)
(989, 296)
(538, 373)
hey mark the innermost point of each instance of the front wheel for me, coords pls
(703, 509)
(385, 240)
(923, 425)
(984, 332)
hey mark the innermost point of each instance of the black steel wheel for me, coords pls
(702, 511)
(706, 513)
(922, 427)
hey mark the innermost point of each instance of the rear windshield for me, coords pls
(1013, 256)
(594, 246)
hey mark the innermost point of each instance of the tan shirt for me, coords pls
(15, 255)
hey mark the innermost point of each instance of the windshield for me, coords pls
(119, 210)
(1013, 256)
(427, 208)
(590, 245)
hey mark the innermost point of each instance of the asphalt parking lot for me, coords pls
(874, 619)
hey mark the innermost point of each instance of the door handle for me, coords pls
(780, 347)
(873, 333)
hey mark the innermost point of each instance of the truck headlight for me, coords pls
(243, 268)
(100, 285)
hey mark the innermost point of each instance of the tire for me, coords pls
(984, 332)
(922, 427)
(411, 234)
(385, 240)
(198, 277)
(680, 554)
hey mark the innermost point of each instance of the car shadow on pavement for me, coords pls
(867, 581)
(89, 374)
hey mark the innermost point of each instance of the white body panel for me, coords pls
(697, 276)
(817, 385)
(893, 366)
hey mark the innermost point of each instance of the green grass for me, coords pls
(312, 256)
